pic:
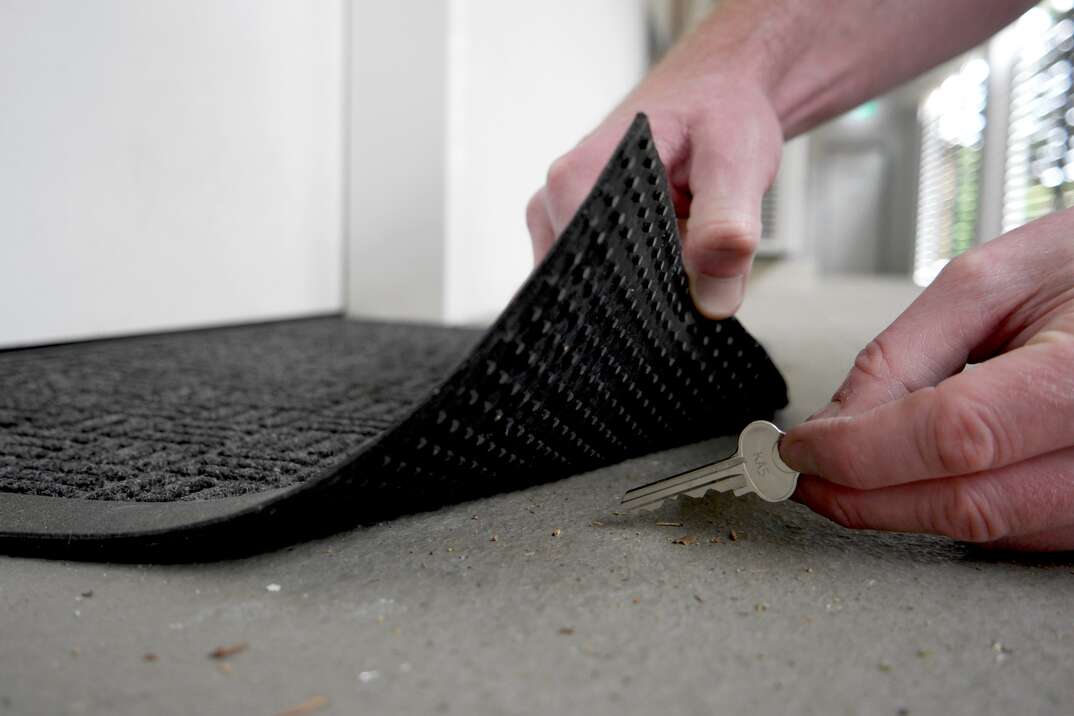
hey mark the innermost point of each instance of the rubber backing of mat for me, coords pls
(217, 443)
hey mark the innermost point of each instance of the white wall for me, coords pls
(167, 163)
(527, 81)
(459, 108)
(397, 158)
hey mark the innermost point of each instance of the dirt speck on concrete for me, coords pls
(224, 652)
(313, 703)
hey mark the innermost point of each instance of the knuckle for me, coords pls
(973, 267)
(872, 361)
(562, 173)
(965, 514)
(958, 437)
(871, 365)
(535, 213)
(734, 235)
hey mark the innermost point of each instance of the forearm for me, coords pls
(819, 58)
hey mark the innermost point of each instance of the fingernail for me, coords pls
(796, 454)
(717, 297)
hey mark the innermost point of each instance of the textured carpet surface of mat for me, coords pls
(209, 414)
(599, 357)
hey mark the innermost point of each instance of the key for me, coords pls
(755, 467)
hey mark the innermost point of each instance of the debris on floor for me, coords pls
(1001, 652)
(306, 707)
(669, 524)
(685, 539)
(150, 657)
(557, 532)
(566, 631)
(272, 587)
(223, 652)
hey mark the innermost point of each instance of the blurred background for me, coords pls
(176, 163)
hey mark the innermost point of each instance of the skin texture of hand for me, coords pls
(912, 442)
(722, 101)
(718, 166)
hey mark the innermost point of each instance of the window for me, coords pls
(952, 119)
(1040, 154)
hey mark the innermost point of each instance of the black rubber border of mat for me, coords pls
(600, 357)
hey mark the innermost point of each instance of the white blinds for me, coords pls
(952, 121)
(1040, 154)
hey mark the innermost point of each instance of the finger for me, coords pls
(1005, 410)
(960, 314)
(1033, 496)
(542, 235)
(727, 182)
(569, 180)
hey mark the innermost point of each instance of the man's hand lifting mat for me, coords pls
(216, 443)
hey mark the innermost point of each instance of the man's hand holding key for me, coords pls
(910, 442)
(913, 443)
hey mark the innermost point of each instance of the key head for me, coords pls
(768, 475)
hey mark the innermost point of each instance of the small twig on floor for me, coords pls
(223, 652)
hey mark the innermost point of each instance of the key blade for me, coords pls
(701, 478)
(643, 506)
(681, 478)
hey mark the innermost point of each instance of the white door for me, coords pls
(167, 163)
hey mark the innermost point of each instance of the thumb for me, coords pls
(727, 180)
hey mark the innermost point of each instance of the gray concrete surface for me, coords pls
(428, 614)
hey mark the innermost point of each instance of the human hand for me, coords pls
(913, 443)
(720, 140)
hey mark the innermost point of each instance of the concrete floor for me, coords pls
(430, 614)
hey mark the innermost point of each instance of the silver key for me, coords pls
(755, 467)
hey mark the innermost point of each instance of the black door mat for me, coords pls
(217, 443)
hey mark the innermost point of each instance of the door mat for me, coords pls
(217, 443)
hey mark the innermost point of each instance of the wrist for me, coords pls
(756, 44)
